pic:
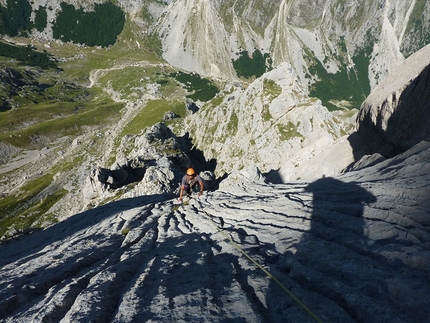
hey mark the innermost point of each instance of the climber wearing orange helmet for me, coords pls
(189, 181)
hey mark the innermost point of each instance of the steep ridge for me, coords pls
(268, 124)
(354, 248)
(396, 115)
(340, 245)
(204, 36)
(195, 38)
(360, 41)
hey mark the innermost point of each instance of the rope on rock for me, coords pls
(268, 274)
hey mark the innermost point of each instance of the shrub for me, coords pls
(203, 89)
(27, 55)
(15, 17)
(256, 65)
(105, 23)
(41, 19)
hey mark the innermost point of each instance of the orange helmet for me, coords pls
(191, 171)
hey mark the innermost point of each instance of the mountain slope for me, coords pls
(354, 248)
(266, 124)
(340, 245)
(330, 44)
(326, 42)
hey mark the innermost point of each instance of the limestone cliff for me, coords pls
(269, 123)
(324, 41)
(329, 247)
(396, 115)
(353, 248)
(204, 36)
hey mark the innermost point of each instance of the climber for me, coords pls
(189, 181)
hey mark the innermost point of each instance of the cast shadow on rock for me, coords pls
(197, 157)
(86, 250)
(199, 161)
(26, 245)
(406, 126)
(320, 270)
(183, 266)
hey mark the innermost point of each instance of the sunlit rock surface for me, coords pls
(354, 248)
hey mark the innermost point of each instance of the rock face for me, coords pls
(268, 124)
(350, 248)
(396, 116)
(204, 36)
(155, 161)
(339, 245)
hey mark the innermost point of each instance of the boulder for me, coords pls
(170, 116)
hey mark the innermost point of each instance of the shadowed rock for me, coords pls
(354, 248)
(396, 116)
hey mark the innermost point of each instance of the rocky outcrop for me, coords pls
(154, 161)
(14, 85)
(205, 36)
(396, 116)
(353, 248)
(350, 248)
(271, 123)
(101, 180)
(7, 151)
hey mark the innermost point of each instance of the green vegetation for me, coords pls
(417, 30)
(202, 89)
(151, 114)
(265, 10)
(27, 55)
(258, 18)
(256, 65)
(125, 231)
(288, 131)
(217, 101)
(351, 85)
(15, 18)
(100, 58)
(361, 67)
(342, 46)
(134, 81)
(31, 126)
(26, 86)
(151, 40)
(271, 89)
(226, 13)
(265, 114)
(105, 23)
(340, 86)
(233, 124)
(41, 19)
(24, 210)
(152, 44)
(55, 103)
